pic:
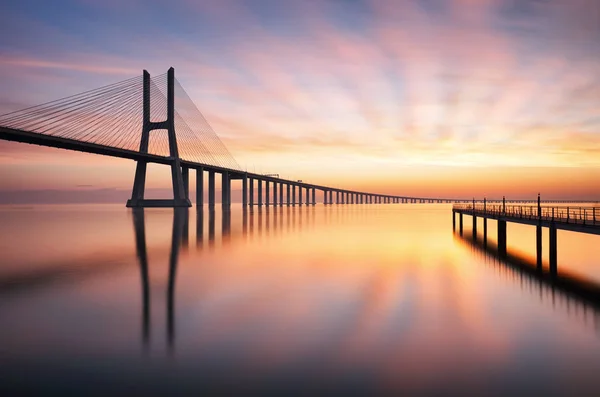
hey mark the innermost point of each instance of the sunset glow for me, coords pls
(428, 98)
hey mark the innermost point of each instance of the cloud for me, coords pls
(463, 82)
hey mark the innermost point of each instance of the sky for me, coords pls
(455, 98)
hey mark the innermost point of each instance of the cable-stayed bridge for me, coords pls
(153, 120)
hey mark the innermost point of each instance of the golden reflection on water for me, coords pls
(384, 292)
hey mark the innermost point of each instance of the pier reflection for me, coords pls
(579, 297)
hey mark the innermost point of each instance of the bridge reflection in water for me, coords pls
(271, 219)
(579, 297)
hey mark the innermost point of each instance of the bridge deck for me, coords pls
(578, 219)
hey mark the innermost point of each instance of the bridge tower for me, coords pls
(180, 194)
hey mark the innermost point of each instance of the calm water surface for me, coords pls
(344, 299)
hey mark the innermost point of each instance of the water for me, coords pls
(344, 299)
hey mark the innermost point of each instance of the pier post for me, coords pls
(274, 194)
(553, 249)
(288, 194)
(501, 237)
(199, 187)
(211, 190)
(299, 195)
(293, 194)
(260, 196)
(307, 200)
(314, 196)
(244, 192)
(484, 231)
(538, 246)
(251, 193)
(460, 223)
(474, 227)
(337, 197)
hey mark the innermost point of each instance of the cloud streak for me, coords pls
(456, 83)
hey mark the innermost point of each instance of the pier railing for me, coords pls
(576, 215)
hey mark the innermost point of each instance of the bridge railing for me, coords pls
(578, 214)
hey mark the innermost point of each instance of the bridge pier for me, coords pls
(453, 220)
(474, 227)
(211, 190)
(251, 193)
(260, 196)
(288, 194)
(293, 194)
(225, 191)
(460, 223)
(281, 194)
(244, 192)
(267, 193)
(307, 200)
(501, 237)
(200, 187)
(185, 177)
(300, 195)
(274, 194)
(314, 196)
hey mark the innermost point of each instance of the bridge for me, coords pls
(117, 120)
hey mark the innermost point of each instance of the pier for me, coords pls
(579, 219)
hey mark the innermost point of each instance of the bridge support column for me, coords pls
(200, 187)
(185, 177)
(453, 220)
(244, 192)
(293, 194)
(502, 238)
(460, 223)
(314, 196)
(260, 196)
(281, 194)
(288, 194)
(267, 193)
(251, 192)
(211, 190)
(553, 249)
(225, 191)
(275, 194)
(538, 246)
(474, 227)
(307, 200)
(180, 198)
(337, 197)
(300, 195)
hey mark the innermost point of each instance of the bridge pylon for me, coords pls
(180, 197)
